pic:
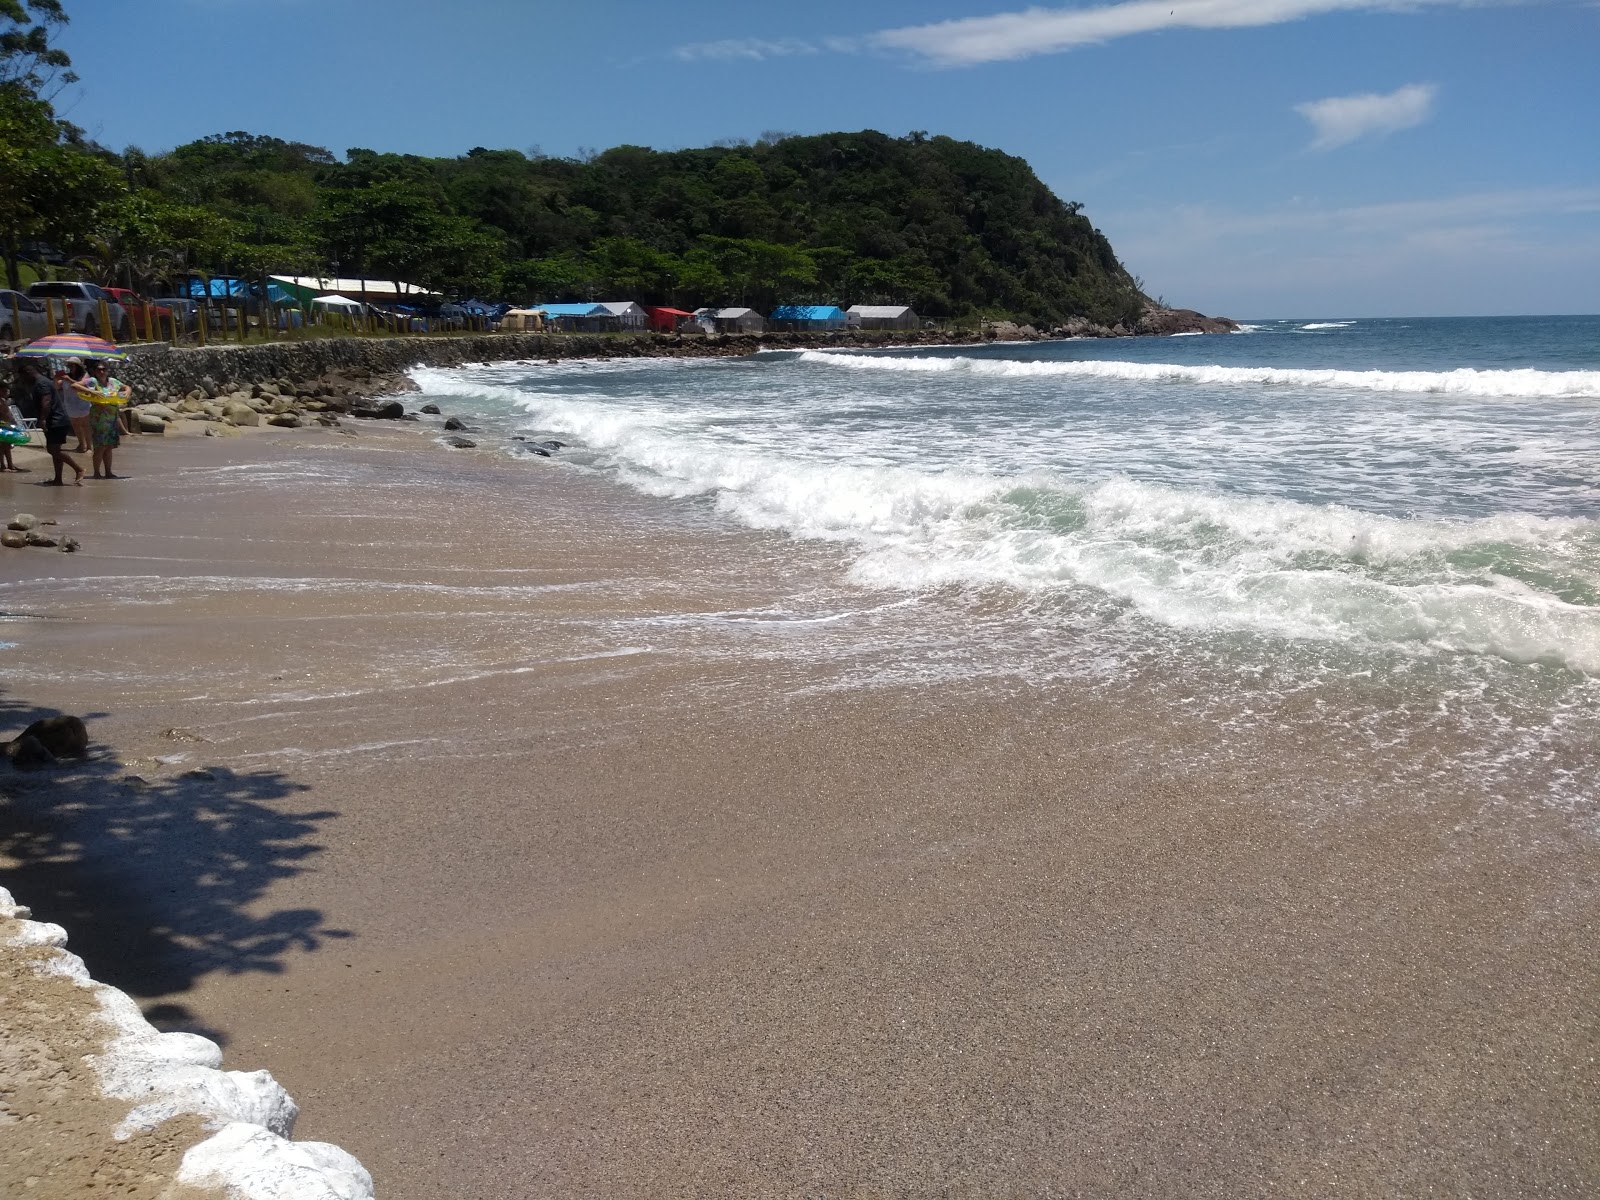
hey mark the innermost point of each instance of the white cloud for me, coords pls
(744, 50)
(1340, 120)
(1003, 36)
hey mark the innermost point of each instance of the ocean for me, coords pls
(1387, 528)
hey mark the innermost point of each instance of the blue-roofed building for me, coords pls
(807, 318)
(576, 318)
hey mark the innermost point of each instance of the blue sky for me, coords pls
(1247, 157)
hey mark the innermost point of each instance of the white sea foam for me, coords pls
(247, 1113)
(1464, 381)
(1196, 557)
(1328, 325)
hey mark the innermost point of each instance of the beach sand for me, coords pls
(525, 881)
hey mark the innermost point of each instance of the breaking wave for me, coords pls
(1464, 381)
(1521, 587)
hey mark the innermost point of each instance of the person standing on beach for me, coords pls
(10, 421)
(75, 401)
(106, 397)
(35, 388)
(57, 427)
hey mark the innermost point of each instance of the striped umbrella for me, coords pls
(71, 345)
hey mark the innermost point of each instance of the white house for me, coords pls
(730, 320)
(626, 314)
(883, 316)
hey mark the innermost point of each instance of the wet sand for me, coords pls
(522, 890)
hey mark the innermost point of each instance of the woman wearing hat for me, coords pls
(71, 396)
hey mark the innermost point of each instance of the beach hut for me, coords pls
(626, 314)
(665, 320)
(730, 320)
(808, 318)
(883, 316)
(523, 320)
(576, 318)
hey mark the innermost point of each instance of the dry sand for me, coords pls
(518, 899)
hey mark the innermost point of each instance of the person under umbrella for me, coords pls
(74, 399)
(106, 397)
(57, 427)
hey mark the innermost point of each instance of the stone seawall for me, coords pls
(160, 372)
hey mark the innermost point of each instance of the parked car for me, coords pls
(21, 317)
(83, 304)
(134, 305)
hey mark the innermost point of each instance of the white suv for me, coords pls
(83, 304)
(21, 318)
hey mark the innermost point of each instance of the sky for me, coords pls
(1252, 158)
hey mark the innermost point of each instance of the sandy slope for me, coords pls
(524, 886)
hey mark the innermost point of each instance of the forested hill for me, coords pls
(949, 227)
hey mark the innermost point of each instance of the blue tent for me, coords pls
(808, 316)
(227, 287)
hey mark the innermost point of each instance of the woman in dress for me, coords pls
(106, 397)
(74, 401)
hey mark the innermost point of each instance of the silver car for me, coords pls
(21, 317)
(83, 300)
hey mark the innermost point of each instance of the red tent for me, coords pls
(665, 320)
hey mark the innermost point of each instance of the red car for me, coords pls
(134, 304)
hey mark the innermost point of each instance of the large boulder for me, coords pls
(156, 410)
(455, 423)
(28, 753)
(240, 414)
(284, 420)
(63, 736)
(379, 410)
(461, 443)
(22, 521)
(150, 423)
(13, 539)
(1167, 321)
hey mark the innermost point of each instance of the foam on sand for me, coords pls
(250, 1117)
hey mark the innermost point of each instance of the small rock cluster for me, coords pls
(47, 741)
(25, 529)
(277, 402)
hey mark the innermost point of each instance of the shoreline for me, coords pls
(360, 368)
(550, 880)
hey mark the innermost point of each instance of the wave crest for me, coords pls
(1465, 381)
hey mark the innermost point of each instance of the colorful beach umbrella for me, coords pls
(71, 345)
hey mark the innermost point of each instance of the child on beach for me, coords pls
(10, 426)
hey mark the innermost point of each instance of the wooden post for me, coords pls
(16, 319)
(105, 320)
(203, 313)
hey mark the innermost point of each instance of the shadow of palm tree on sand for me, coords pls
(157, 880)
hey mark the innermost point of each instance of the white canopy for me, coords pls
(338, 302)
